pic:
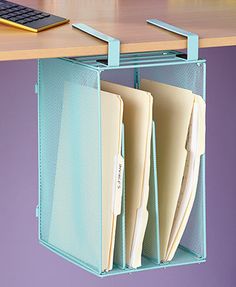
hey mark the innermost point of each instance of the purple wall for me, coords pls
(23, 262)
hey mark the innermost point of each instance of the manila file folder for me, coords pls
(138, 124)
(70, 230)
(195, 146)
(172, 112)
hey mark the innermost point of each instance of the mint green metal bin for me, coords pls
(69, 130)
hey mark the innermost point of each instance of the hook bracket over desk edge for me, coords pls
(192, 46)
(113, 43)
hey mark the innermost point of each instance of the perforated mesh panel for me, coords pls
(190, 76)
(187, 76)
(69, 154)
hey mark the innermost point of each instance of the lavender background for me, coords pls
(23, 262)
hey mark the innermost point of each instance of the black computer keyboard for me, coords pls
(27, 18)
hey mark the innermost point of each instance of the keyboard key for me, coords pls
(22, 21)
(31, 13)
(11, 14)
(37, 12)
(2, 13)
(12, 19)
(26, 20)
(15, 9)
(30, 19)
(23, 14)
(11, 10)
(41, 16)
(28, 10)
(20, 7)
(19, 17)
(23, 11)
(45, 14)
(5, 17)
(35, 18)
(18, 12)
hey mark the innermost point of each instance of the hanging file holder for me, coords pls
(74, 131)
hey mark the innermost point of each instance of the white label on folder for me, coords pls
(118, 184)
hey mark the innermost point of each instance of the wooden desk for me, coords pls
(213, 20)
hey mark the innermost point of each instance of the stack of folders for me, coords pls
(180, 130)
(179, 117)
(138, 126)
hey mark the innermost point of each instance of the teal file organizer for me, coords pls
(70, 174)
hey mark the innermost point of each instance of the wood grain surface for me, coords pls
(213, 20)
